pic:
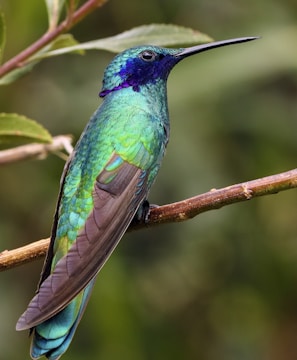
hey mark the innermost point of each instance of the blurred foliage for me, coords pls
(17, 130)
(222, 286)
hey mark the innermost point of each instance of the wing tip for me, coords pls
(22, 324)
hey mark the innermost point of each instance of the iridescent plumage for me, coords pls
(105, 182)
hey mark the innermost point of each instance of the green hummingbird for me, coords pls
(104, 186)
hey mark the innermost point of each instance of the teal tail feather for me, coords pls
(53, 337)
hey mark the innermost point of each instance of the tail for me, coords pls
(53, 337)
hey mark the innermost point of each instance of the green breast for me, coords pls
(131, 131)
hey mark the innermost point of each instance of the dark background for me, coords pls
(221, 286)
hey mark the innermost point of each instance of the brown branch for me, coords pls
(23, 255)
(49, 36)
(217, 198)
(175, 212)
(61, 142)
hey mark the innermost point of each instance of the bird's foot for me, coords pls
(143, 213)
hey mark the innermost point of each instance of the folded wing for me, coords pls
(118, 191)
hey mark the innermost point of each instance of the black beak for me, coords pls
(204, 47)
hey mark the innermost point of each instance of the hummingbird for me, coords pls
(104, 187)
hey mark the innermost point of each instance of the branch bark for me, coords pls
(175, 212)
(40, 151)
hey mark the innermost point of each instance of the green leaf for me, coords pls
(54, 8)
(17, 130)
(17, 73)
(155, 34)
(2, 34)
(64, 40)
(60, 42)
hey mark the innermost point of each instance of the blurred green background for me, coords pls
(221, 286)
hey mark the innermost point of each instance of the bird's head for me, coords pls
(148, 64)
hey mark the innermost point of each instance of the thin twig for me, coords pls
(20, 59)
(217, 198)
(175, 212)
(61, 142)
(23, 255)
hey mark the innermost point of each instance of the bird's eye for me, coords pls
(148, 55)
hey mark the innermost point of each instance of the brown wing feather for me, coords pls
(114, 207)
